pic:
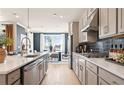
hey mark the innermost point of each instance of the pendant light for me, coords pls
(28, 22)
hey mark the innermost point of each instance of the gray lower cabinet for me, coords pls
(102, 82)
(41, 71)
(91, 74)
(76, 64)
(17, 82)
(82, 71)
(12, 78)
(91, 77)
(110, 78)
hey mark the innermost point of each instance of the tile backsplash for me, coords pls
(105, 44)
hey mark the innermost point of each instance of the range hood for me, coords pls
(92, 24)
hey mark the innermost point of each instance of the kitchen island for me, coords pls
(12, 70)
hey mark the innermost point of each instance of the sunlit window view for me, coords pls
(54, 42)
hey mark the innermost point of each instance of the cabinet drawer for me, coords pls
(12, 77)
(17, 82)
(102, 82)
(81, 61)
(110, 78)
(92, 67)
(91, 78)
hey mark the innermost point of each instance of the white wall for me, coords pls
(30, 36)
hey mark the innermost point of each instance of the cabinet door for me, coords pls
(82, 74)
(111, 21)
(102, 82)
(17, 82)
(74, 63)
(103, 22)
(77, 67)
(91, 78)
(80, 28)
(121, 20)
(85, 18)
(84, 36)
(107, 22)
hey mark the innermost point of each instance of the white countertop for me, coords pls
(14, 62)
(116, 69)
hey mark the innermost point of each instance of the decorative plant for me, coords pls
(121, 58)
(5, 40)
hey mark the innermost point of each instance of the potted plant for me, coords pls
(4, 41)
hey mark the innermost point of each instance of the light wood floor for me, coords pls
(60, 74)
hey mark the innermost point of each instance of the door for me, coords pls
(91, 78)
(121, 20)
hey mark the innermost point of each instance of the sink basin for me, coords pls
(31, 55)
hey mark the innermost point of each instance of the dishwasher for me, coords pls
(31, 74)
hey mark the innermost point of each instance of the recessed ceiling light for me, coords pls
(61, 16)
(17, 16)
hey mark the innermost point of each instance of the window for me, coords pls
(55, 41)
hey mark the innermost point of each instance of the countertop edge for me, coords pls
(7, 72)
(91, 61)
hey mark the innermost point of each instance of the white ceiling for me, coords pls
(42, 19)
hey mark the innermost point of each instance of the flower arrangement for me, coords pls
(5, 41)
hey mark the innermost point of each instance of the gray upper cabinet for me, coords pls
(120, 20)
(91, 11)
(85, 18)
(74, 30)
(107, 22)
(80, 33)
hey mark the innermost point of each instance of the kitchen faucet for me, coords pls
(23, 46)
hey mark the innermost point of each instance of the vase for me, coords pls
(2, 55)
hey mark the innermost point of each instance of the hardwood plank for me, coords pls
(60, 74)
